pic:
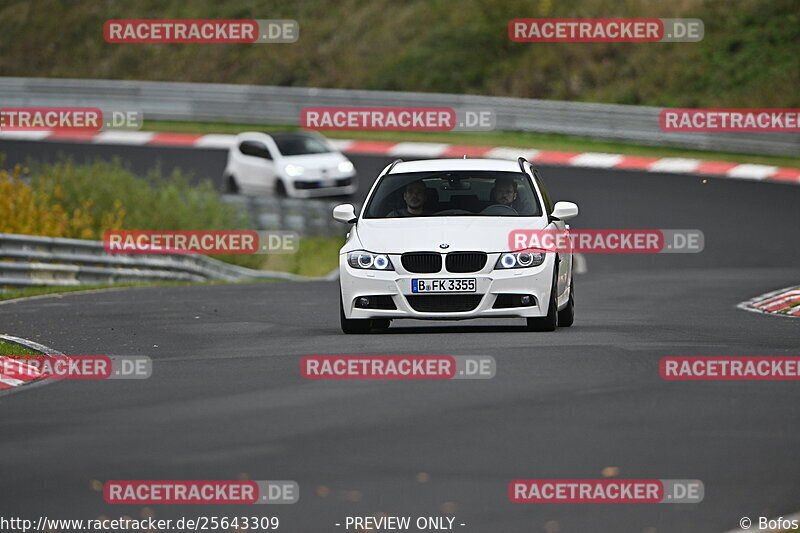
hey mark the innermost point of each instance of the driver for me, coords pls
(504, 191)
(415, 196)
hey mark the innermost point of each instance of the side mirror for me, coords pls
(564, 211)
(344, 213)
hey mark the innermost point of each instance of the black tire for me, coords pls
(352, 326)
(566, 317)
(549, 322)
(280, 189)
(231, 187)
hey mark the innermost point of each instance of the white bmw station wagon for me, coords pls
(432, 242)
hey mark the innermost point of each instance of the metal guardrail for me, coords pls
(282, 105)
(308, 217)
(27, 261)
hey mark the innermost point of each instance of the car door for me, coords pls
(255, 171)
(565, 264)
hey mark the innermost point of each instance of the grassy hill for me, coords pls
(749, 57)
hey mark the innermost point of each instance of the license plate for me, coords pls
(443, 285)
(328, 183)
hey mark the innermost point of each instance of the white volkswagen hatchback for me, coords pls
(432, 242)
(299, 165)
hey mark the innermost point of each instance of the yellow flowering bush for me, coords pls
(84, 201)
(31, 211)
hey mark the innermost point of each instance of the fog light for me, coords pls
(525, 300)
(363, 302)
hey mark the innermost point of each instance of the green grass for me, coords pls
(790, 309)
(540, 141)
(10, 348)
(39, 291)
(317, 256)
(748, 57)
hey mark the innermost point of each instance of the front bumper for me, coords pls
(339, 186)
(490, 283)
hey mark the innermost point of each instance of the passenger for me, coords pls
(415, 197)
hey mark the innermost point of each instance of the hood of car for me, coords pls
(400, 235)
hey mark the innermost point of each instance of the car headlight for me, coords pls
(345, 166)
(369, 261)
(519, 260)
(294, 170)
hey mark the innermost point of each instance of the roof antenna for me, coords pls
(465, 156)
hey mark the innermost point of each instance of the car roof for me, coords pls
(290, 135)
(245, 135)
(434, 165)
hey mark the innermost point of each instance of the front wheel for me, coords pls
(567, 315)
(280, 189)
(231, 187)
(549, 322)
(352, 326)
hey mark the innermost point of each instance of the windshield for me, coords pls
(454, 193)
(299, 144)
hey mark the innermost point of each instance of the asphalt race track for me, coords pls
(226, 399)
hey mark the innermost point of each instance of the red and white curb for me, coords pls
(670, 165)
(783, 302)
(31, 373)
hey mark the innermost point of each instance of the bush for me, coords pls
(36, 211)
(84, 201)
